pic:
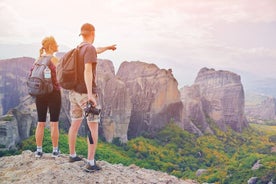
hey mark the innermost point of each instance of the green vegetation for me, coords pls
(227, 156)
(6, 118)
(267, 129)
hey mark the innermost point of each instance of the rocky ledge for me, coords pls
(25, 168)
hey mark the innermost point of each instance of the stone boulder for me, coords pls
(252, 180)
(200, 172)
(257, 165)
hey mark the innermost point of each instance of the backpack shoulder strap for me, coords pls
(44, 60)
(84, 44)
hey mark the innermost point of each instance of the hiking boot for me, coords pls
(38, 154)
(56, 153)
(92, 168)
(74, 159)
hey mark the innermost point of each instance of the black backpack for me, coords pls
(39, 81)
(67, 69)
(70, 71)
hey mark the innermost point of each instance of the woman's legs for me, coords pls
(39, 133)
(54, 133)
(54, 109)
(41, 106)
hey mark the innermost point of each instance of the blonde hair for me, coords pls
(47, 44)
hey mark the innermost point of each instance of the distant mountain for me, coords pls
(265, 86)
(260, 108)
(257, 84)
(251, 82)
(8, 51)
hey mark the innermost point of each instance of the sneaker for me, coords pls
(38, 154)
(56, 154)
(74, 159)
(92, 168)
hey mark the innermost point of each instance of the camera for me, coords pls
(90, 109)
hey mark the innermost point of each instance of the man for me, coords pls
(84, 92)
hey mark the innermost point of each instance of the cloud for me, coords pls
(16, 29)
(173, 34)
(9, 20)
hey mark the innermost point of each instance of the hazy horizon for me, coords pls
(183, 35)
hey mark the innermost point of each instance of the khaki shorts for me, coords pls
(78, 103)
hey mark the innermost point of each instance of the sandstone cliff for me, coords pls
(13, 75)
(217, 95)
(25, 168)
(141, 98)
(9, 135)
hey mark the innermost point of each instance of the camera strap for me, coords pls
(88, 132)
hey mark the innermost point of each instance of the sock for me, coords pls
(73, 155)
(91, 162)
(55, 149)
(39, 148)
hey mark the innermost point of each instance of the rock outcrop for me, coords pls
(141, 99)
(16, 125)
(25, 168)
(260, 108)
(194, 119)
(9, 135)
(13, 76)
(217, 95)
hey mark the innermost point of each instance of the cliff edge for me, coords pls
(25, 168)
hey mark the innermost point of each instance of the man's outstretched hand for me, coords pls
(112, 47)
(100, 50)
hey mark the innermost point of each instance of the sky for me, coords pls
(182, 35)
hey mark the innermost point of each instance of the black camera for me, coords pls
(90, 109)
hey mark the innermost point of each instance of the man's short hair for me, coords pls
(86, 29)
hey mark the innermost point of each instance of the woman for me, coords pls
(51, 101)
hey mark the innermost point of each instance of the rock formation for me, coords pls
(260, 108)
(141, 98)
(13, 76)
(16, 125)
(217, 95)
(25, 168)
(9, 135)
(194, 119)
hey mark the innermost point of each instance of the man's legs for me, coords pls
(91, 166)
(93, 126)
(76, 113)
(72, 135)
